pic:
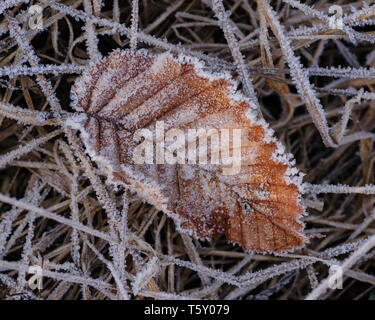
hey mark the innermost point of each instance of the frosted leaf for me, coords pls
(126, 95)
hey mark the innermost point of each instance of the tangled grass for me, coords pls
(313, 83)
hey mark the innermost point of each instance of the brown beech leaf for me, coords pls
(137, 113)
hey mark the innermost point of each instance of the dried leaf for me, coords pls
(128, 94)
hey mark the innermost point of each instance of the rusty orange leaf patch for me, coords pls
(125, 98)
